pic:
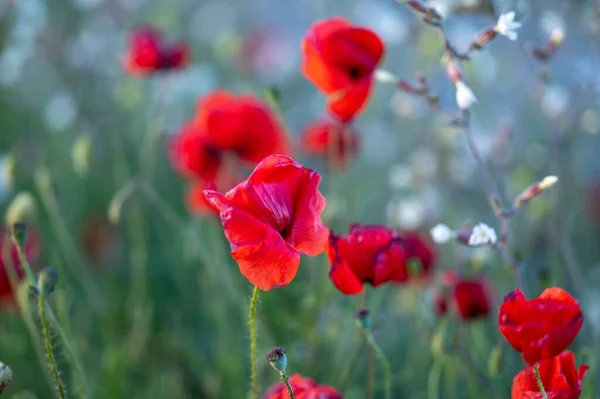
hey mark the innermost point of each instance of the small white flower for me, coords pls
(441, 234)
(507, 26)
(557, 36)
(482, 234)
(548, 182)
(464, 95)
(384, 76)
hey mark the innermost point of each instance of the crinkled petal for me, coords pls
(263, 256)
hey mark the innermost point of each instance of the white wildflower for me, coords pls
(507, 26)
(482, 234)
(548, 182)
(557, 36)
(464, 96)
(441, 234)
(384, 76)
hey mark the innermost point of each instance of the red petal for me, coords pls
(262, 255)
(344, 278)
(220, 114)
(196, 200)
(352, 50)
(192, 154)
(330, 140)
(348, 102)
(390, 264)
(472, 299)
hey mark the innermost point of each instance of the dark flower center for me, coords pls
(355, 73)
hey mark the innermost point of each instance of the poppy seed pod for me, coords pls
(363, 319)
(277, 358)
(6, 377)
(47, 280)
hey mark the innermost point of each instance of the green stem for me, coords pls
(60, 388)
(536, 371)
(387, 368)
(253, 338)
(286, 381)
(73, 358)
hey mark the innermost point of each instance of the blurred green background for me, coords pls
(154, 304)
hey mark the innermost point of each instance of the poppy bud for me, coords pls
(495, 361)
(19, 233)
(534, 190)
(363, 319)
(47, 280)
(6, 377)
(21, 209)
(81, 154)
(483, 38)
(277, 359)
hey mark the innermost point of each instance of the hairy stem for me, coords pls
(253, 339)
(387, 368)
(286, 381)
(60, 388)
(536, 371)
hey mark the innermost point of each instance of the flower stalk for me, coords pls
(253, 339)
(536, 371)
(364, 324)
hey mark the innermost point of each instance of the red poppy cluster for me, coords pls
(541, 329)
(340, 60)
(303, 388)
(376, 255)
(227, 130)
(470, 297)
(148, 54)
(9, 261)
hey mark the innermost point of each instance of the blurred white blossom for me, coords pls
(507, 26)
(482, 234)
(464, 96)
(441, 234)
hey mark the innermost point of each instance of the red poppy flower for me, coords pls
(421, 250)
(193, 155)
(560, 377)
(304, 388)
(242, 124)
(540, 328)
(472, 298)
(340, 60)
(440, 303)
(271, 218)
(353, 257)
(9, 260)
(148, 54)
(332, 141)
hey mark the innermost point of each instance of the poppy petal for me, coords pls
(263, 256)
(344, 279)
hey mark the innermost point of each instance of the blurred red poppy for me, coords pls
(9, 261)
(241, 124)
(472, 298)
(421, 252)
(334, 142)
(99, 239)
(193, 155)
(304, 388)
(148, 54)
(560, 377)
(271, 218)
(440, 303)
(340, 60)
(540, 328)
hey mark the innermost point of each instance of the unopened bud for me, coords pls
(19, 233)
(483, 39)
(495, 361)
(363, 319)
(534, 190)
(21, 209)
(6, 377)
(277, 358)
(81, 154)
(47, 280)
(454, 71)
